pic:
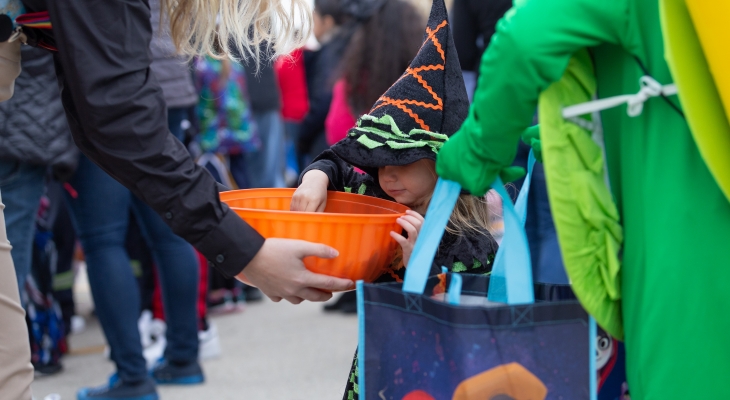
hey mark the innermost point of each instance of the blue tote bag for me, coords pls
(472, 337)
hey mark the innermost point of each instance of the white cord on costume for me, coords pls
(649, 88)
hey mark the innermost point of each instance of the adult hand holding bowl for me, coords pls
(278, 270)
(357, 226)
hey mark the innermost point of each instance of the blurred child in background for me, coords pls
(228, 135)
(292, 79)
(333, 28)
(381, 48)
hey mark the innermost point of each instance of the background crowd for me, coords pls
(251, 126)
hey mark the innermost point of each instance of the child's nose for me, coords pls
(389, 174)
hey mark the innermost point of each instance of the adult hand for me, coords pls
(412, 223)
(278, 270)
(311, 195)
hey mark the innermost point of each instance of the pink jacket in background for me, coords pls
(339, 119)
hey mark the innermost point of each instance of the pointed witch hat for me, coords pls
(416, 116)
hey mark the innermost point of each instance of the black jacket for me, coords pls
(470, 253)
(117, 114)
(263, 90)
(321, 67)
(473, 23)
(33, 126)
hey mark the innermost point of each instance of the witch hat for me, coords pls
(418, 113)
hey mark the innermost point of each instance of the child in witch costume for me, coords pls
(396, 146)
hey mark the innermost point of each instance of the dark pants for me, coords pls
(547, 262)
(101, 215)
(264, 168)
(65, 238)
(544, 248)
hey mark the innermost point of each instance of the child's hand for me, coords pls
(412, 223)
(311, 195)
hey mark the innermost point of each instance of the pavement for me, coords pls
(271, 351)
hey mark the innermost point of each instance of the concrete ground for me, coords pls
(271, 351)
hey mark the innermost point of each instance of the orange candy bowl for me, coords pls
(357, 226)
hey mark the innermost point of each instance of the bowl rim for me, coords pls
(316, 216)
(341, 196)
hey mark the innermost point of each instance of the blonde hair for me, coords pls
(471, 215)
(240, 26)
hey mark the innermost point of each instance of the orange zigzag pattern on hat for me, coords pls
(388, 101)
(415, 72)
(413, 102)
(432, 36)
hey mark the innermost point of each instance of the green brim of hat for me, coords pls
(378, 142)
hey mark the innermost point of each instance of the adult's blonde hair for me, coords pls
(237, 28)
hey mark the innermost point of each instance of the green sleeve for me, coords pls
(531, 50)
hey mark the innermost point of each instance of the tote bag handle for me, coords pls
(511, 285)
(504, 286)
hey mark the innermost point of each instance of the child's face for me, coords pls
(410, 184)
(322, 25)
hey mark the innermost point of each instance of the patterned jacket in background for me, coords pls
(224, 110)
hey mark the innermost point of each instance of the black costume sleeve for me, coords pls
(117, 114)
(469, 252)
(344, 178)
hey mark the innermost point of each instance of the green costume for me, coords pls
(676, 221)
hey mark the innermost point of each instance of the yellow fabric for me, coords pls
(711, 18)
(702, 86)
(586, 218)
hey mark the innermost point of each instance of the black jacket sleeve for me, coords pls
(344, 178)
(322, 69)
(117, 114)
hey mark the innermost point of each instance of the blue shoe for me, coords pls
(118, 390)
(167, 373)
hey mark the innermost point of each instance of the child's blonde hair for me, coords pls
(241, 25)
(471, 215)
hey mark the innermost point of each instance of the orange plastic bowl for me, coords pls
(357, 226)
